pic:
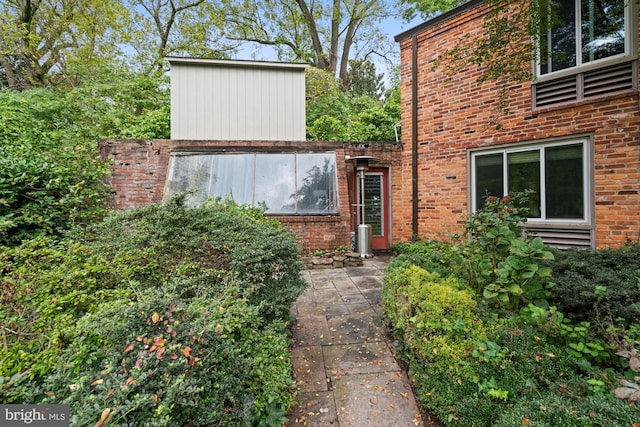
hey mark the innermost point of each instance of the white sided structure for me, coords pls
(237, 100)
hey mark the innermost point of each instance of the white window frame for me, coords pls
(630, 53)
(587, 176)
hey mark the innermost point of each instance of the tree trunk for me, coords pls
(321, 61)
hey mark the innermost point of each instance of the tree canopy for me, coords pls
(325, 34)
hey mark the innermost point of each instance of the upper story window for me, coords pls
(286, 183)
(588, 31)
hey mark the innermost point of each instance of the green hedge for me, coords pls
(474, 365)
(164, 315)
(598, 285)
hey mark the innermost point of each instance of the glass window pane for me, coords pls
(190, 173)
(233, 177)
(602, 29)
(316, 183)
(524, 174)
(563, 37)
(373, 203)
(275, 183)
(565, 182)
(489, 178)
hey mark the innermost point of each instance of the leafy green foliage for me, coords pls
(505, 265)
(576, 370)
(165, 314)
(428, 8)
(599, 285)
(513, 33)
(333, 115)
(50, 177)
(433, 316)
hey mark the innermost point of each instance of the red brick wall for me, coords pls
(454, 116)
(139, 171)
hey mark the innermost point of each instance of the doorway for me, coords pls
(376, 206)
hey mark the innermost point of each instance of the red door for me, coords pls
(376, 206)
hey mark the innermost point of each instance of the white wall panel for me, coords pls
(237, 100)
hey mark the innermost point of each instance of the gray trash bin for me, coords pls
(364, 240)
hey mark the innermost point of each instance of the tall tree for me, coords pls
(40, 40)
(161, 28)
(326, 34)
(363, 79)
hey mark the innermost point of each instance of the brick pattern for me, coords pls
(139, 172)
(454, 115)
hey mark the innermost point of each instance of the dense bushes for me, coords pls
(50, 176)
(164, 315)
(479, 324)
(603, 284)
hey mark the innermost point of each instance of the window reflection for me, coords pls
(600, 34)
(284, 183)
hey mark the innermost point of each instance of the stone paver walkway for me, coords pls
(342, 358)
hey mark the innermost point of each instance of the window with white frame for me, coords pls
(557, 172)
(285, 183)
(587, 31)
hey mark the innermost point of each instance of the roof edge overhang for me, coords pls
(451, 13)
(235, 63)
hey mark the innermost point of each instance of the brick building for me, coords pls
(238, 131)
(572, 135)
(141, 175)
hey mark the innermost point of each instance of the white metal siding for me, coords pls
(211, 101)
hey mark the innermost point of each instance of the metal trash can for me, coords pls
(364, 241)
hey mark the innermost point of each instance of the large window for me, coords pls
(303, 183)
(556, 172)
(587, 31)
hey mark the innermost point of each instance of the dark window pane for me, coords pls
(524, 174)
(563, 37)
(565, 182)
(602, 29)
(489, 178)
(373, 203)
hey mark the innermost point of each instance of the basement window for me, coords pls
(284, 184)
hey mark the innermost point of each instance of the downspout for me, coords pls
(414, 137)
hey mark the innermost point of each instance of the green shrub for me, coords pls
(219, 236)
(45, 287)
(523, 367)
(433, 256)
(158, 360)
(558, 409)
(51, 176)
(504, 265)
(598, 286)
(220, 280)
(434, 316)
(509, 360)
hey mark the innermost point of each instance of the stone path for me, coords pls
(342, 358)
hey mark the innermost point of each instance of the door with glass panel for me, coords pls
(376, 209)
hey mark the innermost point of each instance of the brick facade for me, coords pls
(139, 172)
(454, 116)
